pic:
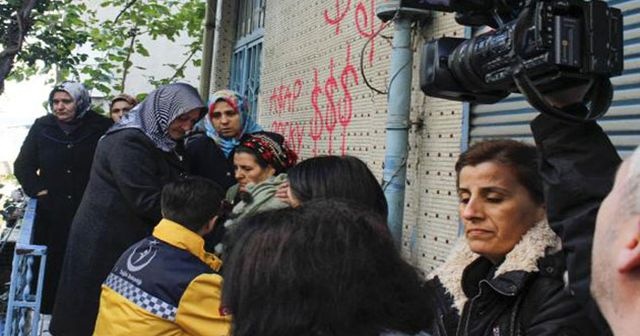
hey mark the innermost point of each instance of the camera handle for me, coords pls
(600, 93)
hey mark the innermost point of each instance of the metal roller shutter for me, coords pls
(510, 118)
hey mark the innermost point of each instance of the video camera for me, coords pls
(536, 47)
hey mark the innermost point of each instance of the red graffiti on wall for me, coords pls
(364, 18)
(345, 107)
(341, 13)
(283, 98)
(331, 115)
(317, 122)
(366, 25)
(338, 109)
(293, 132)
(330, 97)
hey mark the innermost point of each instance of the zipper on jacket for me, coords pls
(465, 312)
(496, 289)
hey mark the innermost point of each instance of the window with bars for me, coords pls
(247, 55)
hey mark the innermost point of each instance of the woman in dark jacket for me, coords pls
(505, 275)
(53, 166)
(210, 153)
(133, 162)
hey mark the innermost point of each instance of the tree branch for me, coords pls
(133, 33)
(14, 38)
(126, 7)
(183, 65)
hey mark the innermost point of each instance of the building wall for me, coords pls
(431, 215)
(224, 34)
(313, 92)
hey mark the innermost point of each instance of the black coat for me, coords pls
(204, 158)
(578, 166)
(120, 207)
(524, 295)
(53, 160)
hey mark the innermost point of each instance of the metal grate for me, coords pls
(247, 55)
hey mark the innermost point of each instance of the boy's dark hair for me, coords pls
(325, 268)
(191, 201)
(521, 157)
(337, 177)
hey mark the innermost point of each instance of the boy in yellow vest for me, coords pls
(167, 284)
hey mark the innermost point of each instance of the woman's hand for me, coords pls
(282, 193)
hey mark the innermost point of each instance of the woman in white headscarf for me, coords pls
(134, 160)
(53, 166)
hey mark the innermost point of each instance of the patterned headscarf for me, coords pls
(240, 105)
(161, 107)
(78, 93)
(271, 149)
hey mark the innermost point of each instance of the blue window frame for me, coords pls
(247, 54)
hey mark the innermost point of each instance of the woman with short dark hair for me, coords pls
(326, 268)
(339, 177)
(504, 276)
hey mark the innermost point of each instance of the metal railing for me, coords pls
(23, 309)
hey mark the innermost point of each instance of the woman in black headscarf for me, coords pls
(53, 166)
(134, 160)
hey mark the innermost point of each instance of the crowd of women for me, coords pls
(306, 246)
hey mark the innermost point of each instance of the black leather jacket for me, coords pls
(522, 296)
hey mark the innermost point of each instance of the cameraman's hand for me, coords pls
(567, 97)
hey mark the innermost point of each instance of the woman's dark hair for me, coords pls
(520, 157)
(326, 268)
(341, 177)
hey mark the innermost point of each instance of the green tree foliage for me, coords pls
(59, 27)
(39, 30)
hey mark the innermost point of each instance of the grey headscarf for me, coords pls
(80, 96)
(161, 107)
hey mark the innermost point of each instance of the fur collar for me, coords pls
(535, 244)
